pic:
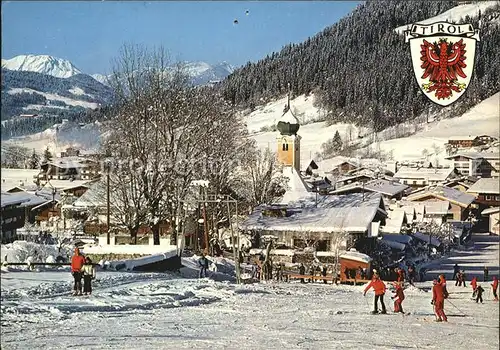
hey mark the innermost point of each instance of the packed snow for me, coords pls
(167, 311)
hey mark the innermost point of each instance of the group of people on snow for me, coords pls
(439, 292)
(82, 268)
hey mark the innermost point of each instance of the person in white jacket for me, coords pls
(88, 271)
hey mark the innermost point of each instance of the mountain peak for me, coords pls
(44, 64)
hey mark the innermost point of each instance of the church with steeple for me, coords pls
(288, 141)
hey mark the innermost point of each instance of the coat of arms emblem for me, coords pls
(443, 58)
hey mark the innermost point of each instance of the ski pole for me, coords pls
(456, 307)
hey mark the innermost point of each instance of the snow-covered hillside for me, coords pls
(457, 13)
(483, 119)
(480, 120)
(103, 79)
(44, 64)
(55, 97)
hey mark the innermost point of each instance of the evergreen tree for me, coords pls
(47, 155)
(34, 160)
(337, 142)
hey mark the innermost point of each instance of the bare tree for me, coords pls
(259, 179)
(168, 131)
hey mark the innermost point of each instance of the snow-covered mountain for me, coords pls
(103, 79)
(203, 73)
(43, 64)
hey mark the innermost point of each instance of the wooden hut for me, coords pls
(350, 264)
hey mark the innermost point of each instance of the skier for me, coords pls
(442, 280)
(302, 271)
(203, 264)
(379, 289)
(438, 296)
(485, 275)
(77, 261)
(479, 294)
(473, 284)
(88, 271)
(456, 271)
(458, 279)
(398, 298)
(494, 287)
(411, 275)
(401, 275)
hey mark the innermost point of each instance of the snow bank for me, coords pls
(131, 249)
(22, 251)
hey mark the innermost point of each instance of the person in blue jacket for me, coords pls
(203, 264)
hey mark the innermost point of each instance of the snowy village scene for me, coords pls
(250, 175)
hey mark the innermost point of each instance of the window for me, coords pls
(488, 198)
(414, 182)
(497, 198)
(285, 147)
(405, 182)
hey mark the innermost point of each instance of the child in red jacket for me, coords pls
(398, 298)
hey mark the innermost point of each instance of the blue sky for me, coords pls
(89, 34)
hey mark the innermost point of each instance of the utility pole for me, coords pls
(205, 227)
(108, 238)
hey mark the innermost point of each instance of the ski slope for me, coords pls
(163, 311)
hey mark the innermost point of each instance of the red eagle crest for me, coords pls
(443, 63)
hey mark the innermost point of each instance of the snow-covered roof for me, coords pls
(393, 244)
(356, 256)
(383, 186)
(22, 198)
(462, 138)
(476, 155)
(446, 194)
(332, 214)
(12, 198)
(69, 162)
(437, 208)
(431, 174)
(489, 211)
(404, 239)
(424, 237)
(394, 222)
(485, 185)
(297, 190)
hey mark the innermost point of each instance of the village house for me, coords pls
(462, 184)
(69, 168)
(12, 215)
(460, 204)
(388, 189)
(40, 202)
(478, 164)
(493, 215)
(70, 152)
(319, 220)
(461, 141)
(421, 177)
(487, 192)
